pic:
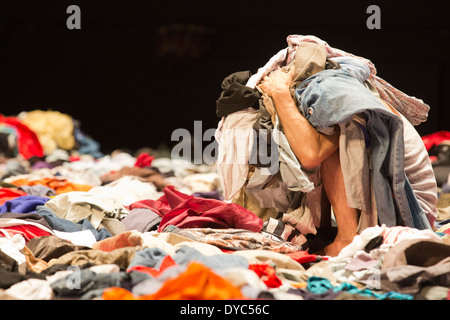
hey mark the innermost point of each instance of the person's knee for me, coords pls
(332, 163)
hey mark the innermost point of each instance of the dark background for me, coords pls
(137, 70)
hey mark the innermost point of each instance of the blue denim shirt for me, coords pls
(332, 97)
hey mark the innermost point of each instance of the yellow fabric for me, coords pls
(53, 128)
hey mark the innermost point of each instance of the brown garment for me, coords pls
(414, 263)
(51, 247)
(417, 252)
(120, 257)
(33, 264)
(310, 58)
(146, 174)
(410, 279)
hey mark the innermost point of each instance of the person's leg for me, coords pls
(346, 217)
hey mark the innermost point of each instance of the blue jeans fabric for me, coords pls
(65, 225)
(332, 97)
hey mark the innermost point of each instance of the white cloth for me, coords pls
(104, 165)
(127, 190)
(391, 236)
(419, 171)
(11, 246)
(31, 289)
(290, 169)
(79, 238)
(235, 140)
(202, 182)
(77, 205)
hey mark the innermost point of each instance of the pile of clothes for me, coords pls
(40, 133)
(79, 224)
(330, 88)
(80, 230)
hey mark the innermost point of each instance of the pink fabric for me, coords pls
(392, 235)
(184, 211)
(362, 261)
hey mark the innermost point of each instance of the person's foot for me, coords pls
(333, 249)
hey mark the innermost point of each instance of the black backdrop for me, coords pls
(137, 70)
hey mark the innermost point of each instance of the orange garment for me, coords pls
(299, 285)
(198, 282)
(9, 194)
(59, 185)
(117, 293)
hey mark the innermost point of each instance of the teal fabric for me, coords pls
(318, 285)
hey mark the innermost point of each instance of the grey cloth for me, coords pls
(83, 281)
(354, 154)
(268, 191)
(38, 190)
(410, 279)
(149, 257)
(152, 257)
(142, 220)
(413, 264)
(291, 172)
(218, 261)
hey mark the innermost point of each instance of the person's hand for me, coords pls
(278, 82)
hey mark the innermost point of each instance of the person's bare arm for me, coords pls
(309, 146)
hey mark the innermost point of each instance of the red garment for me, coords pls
(27, 139)
(74, 158)
(144, 160)
(184, 211)
(304, 257)
(8, 194)
(267, 274)
(435, 139)
(160, 206)
(28, 231)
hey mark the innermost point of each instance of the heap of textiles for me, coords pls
(78, 224)
(75, 229)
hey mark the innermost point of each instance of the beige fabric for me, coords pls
(235, 139)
